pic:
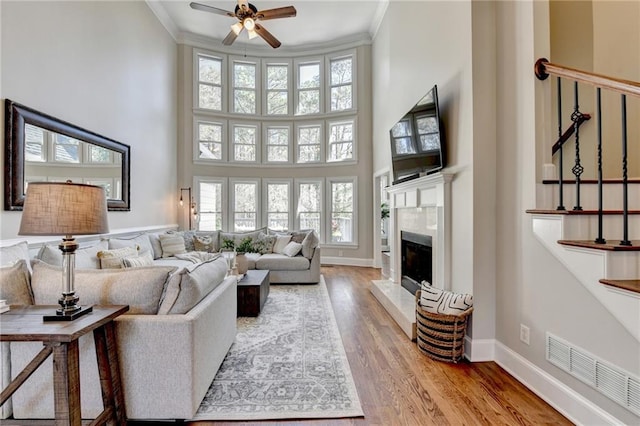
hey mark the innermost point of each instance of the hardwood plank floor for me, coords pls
(398, 385)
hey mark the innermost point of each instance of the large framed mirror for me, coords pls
(39, 147)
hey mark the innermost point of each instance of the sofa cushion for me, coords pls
(172, 244)
(154, 240)
(281, 262)
(190, 285)
(14, 284)
(292, 249)
(141, 241)
(309, 244)
(252, 258)
(145, 259)
(86, 257)
(9, 255)
(281, 243)
(140, 288)
(113, 259)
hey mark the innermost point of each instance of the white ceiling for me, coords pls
(317, 21)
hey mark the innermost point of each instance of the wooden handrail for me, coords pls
(543, 68)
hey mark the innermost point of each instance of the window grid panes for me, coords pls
(244, 143)
(340, 141)
(341, 82)
(309, 144)
(245, 202)
(277, 89)
(244, 87)
(278, 202)
(209, 83)
(309, 205)
(35, 146)
(342, 209)
(210, 141)
(309, 88)
(210, 206)
(66, 149)
(277, 144)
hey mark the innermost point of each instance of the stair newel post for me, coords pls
(577, 169)
(560, 157)
(600, 239)
(625, 195)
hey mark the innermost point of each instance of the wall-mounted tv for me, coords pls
(417, 140)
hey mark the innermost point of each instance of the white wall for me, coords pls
(109, 67)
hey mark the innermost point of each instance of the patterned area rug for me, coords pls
(287, 363)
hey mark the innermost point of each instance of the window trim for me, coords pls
(197, 120)
(296, 187)
(231, 141)
(354, 78)
(265, 207)
(321, 156)
(196, 79)
(258, 84)
(297, 62)
(197, 180)
(342, 120)
(232, 201)
(265, 142)
(290, 79)
(329, 198)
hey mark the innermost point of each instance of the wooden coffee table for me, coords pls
(253, 290)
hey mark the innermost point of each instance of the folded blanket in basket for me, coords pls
(439, 301)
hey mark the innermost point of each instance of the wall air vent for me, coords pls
(613, 382)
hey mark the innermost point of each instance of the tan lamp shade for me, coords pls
(59, 208)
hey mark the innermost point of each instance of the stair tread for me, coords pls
(579, 212)
(631, 285)
(610, 245)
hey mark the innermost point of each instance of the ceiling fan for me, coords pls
(248, 15)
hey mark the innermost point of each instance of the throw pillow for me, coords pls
(9, 255)
(141, 241)
(172, 244)
(204, 243)
(154, 240)
(14, 284)
(138, 261)
(292, 249)
(309, 244)
(112, 259)
(437, 300)
(189, 286)
(86, 257)
(140, 288)
(299, 236)
(264, 243)
(187, 236)
(281, 243)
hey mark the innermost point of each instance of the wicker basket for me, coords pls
(440, 336)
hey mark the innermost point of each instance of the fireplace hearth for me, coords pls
(416, 260)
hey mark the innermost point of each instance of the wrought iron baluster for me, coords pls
(560, 156)
(625, 194)
(577, 168)
(600, 239)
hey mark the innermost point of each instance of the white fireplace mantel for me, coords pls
(427, 191)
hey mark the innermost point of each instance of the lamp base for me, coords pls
(68, 316)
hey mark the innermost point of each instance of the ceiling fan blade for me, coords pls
(267, 36)
(205, 8)
(230, 38)
(278, 12)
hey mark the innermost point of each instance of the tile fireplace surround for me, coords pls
(423, 206)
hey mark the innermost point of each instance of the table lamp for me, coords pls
(65, 208)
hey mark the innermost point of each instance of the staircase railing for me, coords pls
(544, 68)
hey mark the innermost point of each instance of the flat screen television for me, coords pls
(417, 140)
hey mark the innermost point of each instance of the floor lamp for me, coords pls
(59, 208)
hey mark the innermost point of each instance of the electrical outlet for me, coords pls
(524, 334)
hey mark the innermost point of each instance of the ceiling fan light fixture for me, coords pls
(237, 28)
(249, 24)
(252, 34)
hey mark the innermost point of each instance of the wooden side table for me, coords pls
(253, 290)
(25, 324)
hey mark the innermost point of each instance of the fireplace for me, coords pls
(416, 263)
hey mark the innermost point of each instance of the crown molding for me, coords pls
(164, 18)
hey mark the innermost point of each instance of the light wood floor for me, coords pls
(398, 385)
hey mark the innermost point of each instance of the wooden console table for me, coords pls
(25, 324)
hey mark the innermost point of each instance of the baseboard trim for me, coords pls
(479, 350)
(346, 261)
(568, 402)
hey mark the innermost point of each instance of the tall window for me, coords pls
(309, 205)
(245, 139)
(209, 82)
(341, 82)
(308, 88)
(209, 140)
(309, 143)
(277, 144)
(342, 212)
(277, 89)
(278, 205)
(35, 146)
(340, 141)
(245, 205)
(244, 87)
(210, 205)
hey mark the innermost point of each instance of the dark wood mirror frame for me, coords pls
(16, 116)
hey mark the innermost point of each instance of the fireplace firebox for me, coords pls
(416, 263)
